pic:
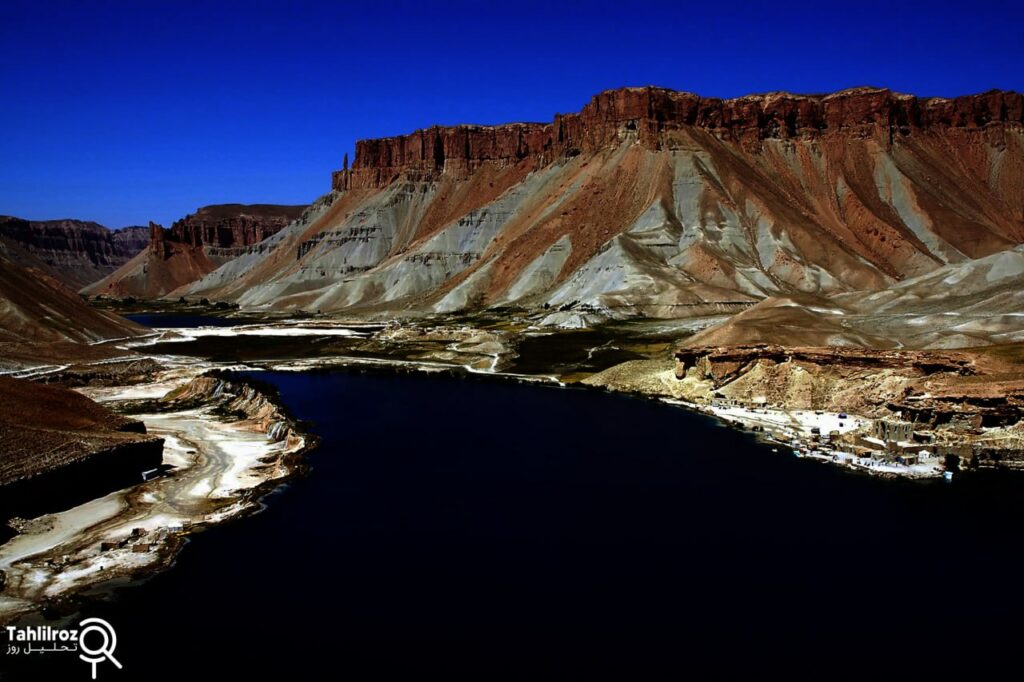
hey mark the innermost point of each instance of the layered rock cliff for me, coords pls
(657, 203)
(193, 247)
(652, 112)
(255, 402)
(76, 252)
(232, 225)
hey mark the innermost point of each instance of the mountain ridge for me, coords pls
(652, 203)
(77, 252)
(780, 115)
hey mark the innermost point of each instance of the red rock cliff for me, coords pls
(649, 112)
(232, 225)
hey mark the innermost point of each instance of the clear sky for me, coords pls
(123, 112)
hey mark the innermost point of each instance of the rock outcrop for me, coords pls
(723, 364)
(651, 112)
(256, 402)
(76, 252)
(193, 247)
(232, 225)
(929, 388)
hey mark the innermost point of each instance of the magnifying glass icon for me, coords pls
(94, 654)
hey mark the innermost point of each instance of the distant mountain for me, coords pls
(193, 247)
(651, 202)
(77, 252)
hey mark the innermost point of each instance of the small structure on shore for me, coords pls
(892, 430)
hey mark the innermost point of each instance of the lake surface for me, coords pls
(491, 528)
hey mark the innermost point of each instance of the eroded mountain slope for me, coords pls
(657, 203)
(971, 303)
(35, 307)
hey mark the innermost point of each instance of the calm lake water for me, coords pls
(493, 528)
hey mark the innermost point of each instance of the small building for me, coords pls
(892, 430)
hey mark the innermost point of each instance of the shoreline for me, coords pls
(221, 471)
(136, 532)
(798, 437)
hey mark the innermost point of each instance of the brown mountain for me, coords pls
(657, 203)
(37, 310)
(194, 246)
(76, 252)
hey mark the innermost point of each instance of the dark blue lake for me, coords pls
(494, 529)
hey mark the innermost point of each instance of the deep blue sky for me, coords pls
(122, 112)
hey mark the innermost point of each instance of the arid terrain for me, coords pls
(840, 274)
(193, 247)
(654, 203)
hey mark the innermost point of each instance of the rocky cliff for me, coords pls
(656, 203)
(651, 113)
(232, 225)
(193, 247)
(76, 252)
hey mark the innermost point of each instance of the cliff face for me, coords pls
(652, 112)
(233, 225)
(74, 251)
(193, 247)
(131, 240)
(255, 402)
